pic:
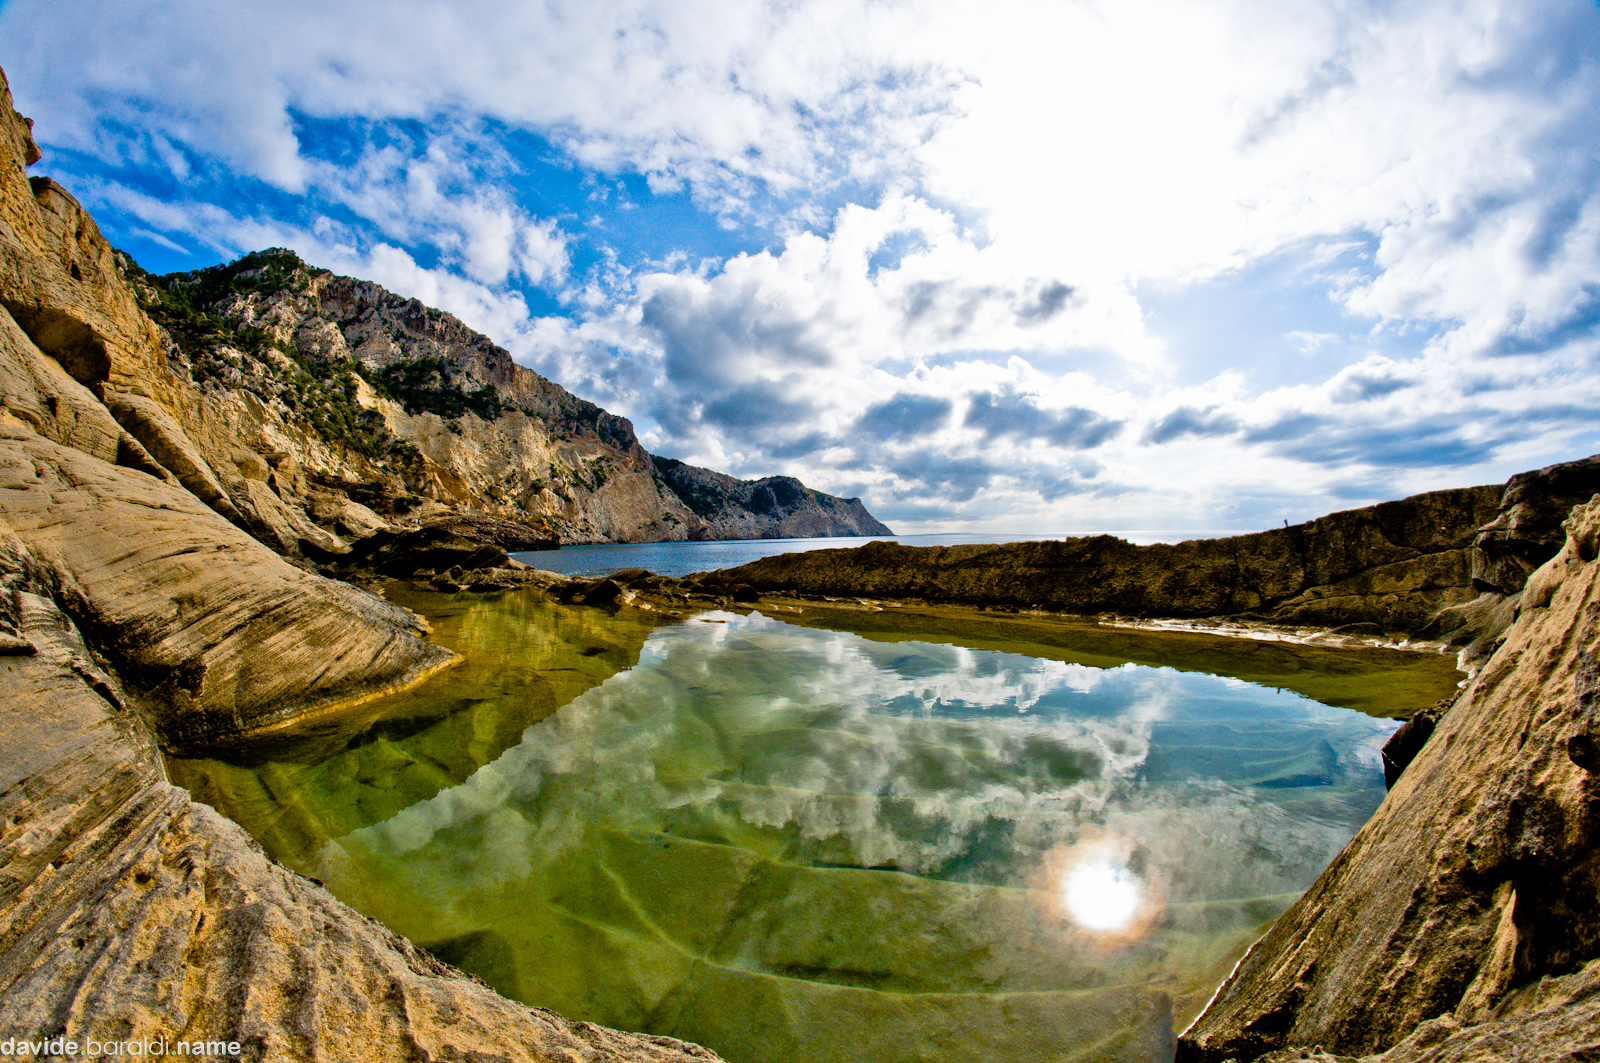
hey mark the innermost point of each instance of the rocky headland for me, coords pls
(1445, 566)
(181, 459)
(325, 408)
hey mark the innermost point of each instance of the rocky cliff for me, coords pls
(777, 507)
(1446, 565)
(352, 404)
(140, 481)
(1463, 921)
(137, 608)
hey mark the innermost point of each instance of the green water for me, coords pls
(798, 843)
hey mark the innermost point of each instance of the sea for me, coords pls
(680, 559)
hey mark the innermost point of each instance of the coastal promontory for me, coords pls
(184, 458)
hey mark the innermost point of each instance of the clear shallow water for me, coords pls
(680, 559)
(800, 844)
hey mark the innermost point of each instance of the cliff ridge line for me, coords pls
(1445, 566)
(405, 410)
(140, 606)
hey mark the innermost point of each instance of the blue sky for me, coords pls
(1012, 267)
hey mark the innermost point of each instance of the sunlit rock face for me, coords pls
(1463, 922)
(792, 844)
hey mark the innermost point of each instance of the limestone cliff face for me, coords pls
(136, 608)
(402, 408)
(1463, 921)
(1444, 565)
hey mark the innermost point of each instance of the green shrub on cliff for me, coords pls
(320, 393)
(429, 385)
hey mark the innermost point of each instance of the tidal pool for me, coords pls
(793, 843)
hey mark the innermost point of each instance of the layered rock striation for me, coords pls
(1446, 565)
(165, 489)
(146, 599)
(1463, 921)
(129, 912)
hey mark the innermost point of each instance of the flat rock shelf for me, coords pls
(794, 843)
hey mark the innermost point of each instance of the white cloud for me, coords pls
(967, 200)
(444, 195)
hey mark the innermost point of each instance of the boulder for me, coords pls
(211, 631)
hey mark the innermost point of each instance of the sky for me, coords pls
(1012, 267)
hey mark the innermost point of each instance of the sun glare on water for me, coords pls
(1101, 894)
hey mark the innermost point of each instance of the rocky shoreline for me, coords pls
(1460, 923)
(1445, 566)
(151, 593)
(139, 607)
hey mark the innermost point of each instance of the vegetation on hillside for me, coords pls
(428, 385)
(320, 391)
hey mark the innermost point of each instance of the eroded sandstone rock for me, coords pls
(128, 912)
(211, 631)
(1463, 921)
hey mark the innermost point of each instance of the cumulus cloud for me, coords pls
(723, 96)
(939, 223)
(1021, 417)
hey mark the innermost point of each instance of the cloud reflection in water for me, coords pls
(733, 802)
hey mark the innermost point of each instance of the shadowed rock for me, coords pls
(1405, 568)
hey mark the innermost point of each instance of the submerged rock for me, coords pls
(138, 605)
